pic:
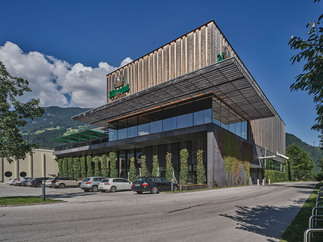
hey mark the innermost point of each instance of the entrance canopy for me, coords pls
(81, 136)
(227, 80)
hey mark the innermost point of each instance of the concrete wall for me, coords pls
(39, 164)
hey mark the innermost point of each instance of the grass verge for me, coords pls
(12, 201)
(295, 231)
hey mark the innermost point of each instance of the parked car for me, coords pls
(61, 182)
(12, 181)
(37, 182)
(26, 181)
(49, 182)
(114, 184)
(91, 183)
(152, 184)
(20, 180)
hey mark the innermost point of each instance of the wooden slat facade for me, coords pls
(192, 51)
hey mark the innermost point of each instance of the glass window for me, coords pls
(143, 129)
(132, 131)
(113, 134)
(185, 120)
(122, 133)
(202, 117)
(169, 124)
(156, 127)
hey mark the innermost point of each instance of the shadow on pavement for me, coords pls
(70, 195)
(263, 220)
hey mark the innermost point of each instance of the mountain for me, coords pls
(315, 152)
(55, 122)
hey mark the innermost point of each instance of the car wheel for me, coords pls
(139, 192)
(102, 191)
(86, 190)
(175, 188)
(79, 184)
(95, 188)
(113, 189)
(154, 190)
(62, 185)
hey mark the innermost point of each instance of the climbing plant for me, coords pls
(65, 167)
(76, 162)
(60, 167)
(169, 167)
(200, 170)
(144, 171)
(132, 170)
(83, 167)
(113, 165)
(89, 165)
(184, 166)
(155, 166)
(97, 171)
(104, 166)
(70, 167)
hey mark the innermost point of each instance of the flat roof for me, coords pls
(226, 79)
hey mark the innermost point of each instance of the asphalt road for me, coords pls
(251, 213)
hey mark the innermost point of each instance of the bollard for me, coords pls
(263, 182)
(257, 182)
(268, 181)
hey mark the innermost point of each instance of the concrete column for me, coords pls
(44, 164)
(31, 168)
(16, 167)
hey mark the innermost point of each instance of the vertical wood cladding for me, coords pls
(192, 51)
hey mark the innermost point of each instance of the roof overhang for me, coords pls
(227, 80)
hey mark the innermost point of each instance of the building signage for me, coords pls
(119, 88)
(225, 54)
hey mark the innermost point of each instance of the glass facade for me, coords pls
(195, 112)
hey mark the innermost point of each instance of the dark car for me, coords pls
(152, 184)
(36, 182)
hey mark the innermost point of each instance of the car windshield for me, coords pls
(105, 180)
(86, 179)
(140, 179)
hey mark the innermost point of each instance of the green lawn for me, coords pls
(295, 231)
(5, 201)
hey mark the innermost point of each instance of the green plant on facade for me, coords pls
(200, 170)
(97, 171)
(70, 167)
(89, 165)
(132, 170)
(184, 166)
(76, 162)
(144, 170)
(169, 167)
(113, 165)
(60, 167)
(155, 169)
(275, 176)
(83, 167)
(104, 165)
(65, 167)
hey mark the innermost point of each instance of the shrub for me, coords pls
(184, 166)
(113, 165)
(104, 166)
(65, 167)
(89, 165)
(70, 167)
(200, 171)
(155, 166)
(169, 167)
(97, 171)
(144, 171)
(60, 167)
(76, 162)
(83, 167)
(275, 176)
(132, 170)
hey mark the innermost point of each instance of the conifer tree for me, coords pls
(169, 167)
(89, 166)
(132, 170)
(184, 166)
(155, 166)
(113, 165)
(200, 170)
(144, 171)
(104, 166)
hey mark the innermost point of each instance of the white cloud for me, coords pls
(56, 82)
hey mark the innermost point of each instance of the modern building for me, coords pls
(195, 93)
(40, 163)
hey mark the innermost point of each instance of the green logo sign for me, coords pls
(225, 54)
(119, 88)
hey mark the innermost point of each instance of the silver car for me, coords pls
(114, 184)
(91, 183)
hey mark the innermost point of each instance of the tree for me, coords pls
(155, 169)
(169, 167)
(89, 165)
(144, 171)
(113, 165)
(311, 80)
(200, 170)
(184, 166)
(13, 115)
(132, 170)
(301, 162)
(104, 166)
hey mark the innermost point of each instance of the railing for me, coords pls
(317, 215)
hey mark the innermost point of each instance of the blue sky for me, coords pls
(65, 48)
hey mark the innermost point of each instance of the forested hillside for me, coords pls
(55, 123)
(315, 152)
